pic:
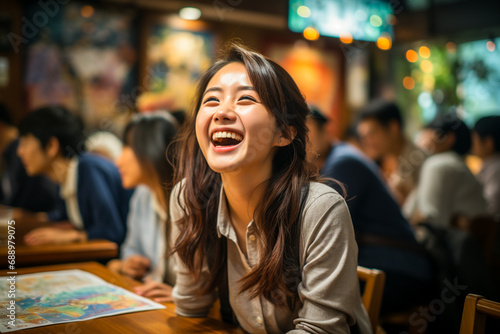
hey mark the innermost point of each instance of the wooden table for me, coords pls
(162, 321)
(52, 254)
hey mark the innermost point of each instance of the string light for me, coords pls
(411, 56)
(424, 52)
(408, 83)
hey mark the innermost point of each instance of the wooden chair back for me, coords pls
(476, 308)
(372, 296)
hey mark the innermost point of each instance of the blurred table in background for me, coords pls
(157, 321)
(51, 254)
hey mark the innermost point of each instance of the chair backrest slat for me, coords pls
(372, 296)
(476, 308)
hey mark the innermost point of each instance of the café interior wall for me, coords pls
(261, 39)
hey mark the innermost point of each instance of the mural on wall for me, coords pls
(84, 59)
(316, 72)
(175, 59)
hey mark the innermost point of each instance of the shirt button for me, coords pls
(258, 320)
(251, 238)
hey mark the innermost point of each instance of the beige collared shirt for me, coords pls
(69, 195)
(329, 291)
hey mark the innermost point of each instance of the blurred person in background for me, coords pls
(94, 201)
(144, 165)
(385, 238)
(105, 144)
(486, 145)
(17, 189)
(447, 188)
(381, 130)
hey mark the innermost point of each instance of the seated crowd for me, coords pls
(251, 201)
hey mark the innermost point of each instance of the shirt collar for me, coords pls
(68, 187)
(224, 226)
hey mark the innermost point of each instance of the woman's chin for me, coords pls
(223, 166)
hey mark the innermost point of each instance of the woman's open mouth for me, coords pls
(226, 138)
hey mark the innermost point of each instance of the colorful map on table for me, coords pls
(65, 296)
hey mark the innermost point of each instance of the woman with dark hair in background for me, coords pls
(486, 145)
(251, 222)
(144, 164)
(447, 187)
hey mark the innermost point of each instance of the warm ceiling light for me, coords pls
(411, 56)
(311, 34)
(190, 13)
(346, 38)
(424, 52)
(384, 42)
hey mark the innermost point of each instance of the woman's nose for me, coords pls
(224, 114)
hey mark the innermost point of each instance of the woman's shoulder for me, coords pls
(320, 194)
(322, 200)
(325, 213)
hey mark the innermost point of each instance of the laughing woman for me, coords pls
(251, 223)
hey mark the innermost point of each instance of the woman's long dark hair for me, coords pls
(275, 216)
(150, 137)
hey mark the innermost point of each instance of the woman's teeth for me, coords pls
(226, 135)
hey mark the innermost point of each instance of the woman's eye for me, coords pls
(248, 98)
(211, 99)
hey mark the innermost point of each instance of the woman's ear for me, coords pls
(283, 141)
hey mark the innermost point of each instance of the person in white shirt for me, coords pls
(144, 164)
(447, 188)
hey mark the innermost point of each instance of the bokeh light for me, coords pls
(304, 11)
(424, 52)
(87, 11)
(429, 82)
(190, 13)
(311, 34)
(490, 45)
(391, 19)
(451, 48)
(408, 83)
(384, 42)
(375, 20)
(346, 38)
(411, 56)
(426, 66)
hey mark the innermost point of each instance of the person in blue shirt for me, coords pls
(144, 165)
(385, 238)
(17, 189)
(52, 143)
